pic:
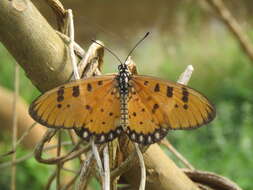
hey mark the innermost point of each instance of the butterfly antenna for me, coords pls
(143, 38)
(108, 50)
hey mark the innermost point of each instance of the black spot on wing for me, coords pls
(75, 91)
(60, 94)
(87, 107)
(89, 87)
(157, 87)
(60, 98)
(185, 94)
(100, 82)
(185, 106)
(155, 107)
(169, 91)
(60, 91)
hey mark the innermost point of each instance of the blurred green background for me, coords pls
(182, 33)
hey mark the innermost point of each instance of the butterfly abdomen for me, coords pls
(123, 85)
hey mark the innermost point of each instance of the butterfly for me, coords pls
(103, 107)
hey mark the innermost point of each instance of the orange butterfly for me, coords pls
(104, 106)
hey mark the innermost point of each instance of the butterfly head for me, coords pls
(123, 77)
(122, 68)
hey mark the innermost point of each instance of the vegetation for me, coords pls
(225, 75)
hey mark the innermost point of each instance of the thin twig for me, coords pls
(142, 165)
(71, 182)
(97, 157)
(17, 161)
(40, 146)
(31, 154)
(71, 44)
(76, 153)
(179, 156)
(127, 164)
(14, 126)
(70, 170)
(78, 49)
(25, 133)
(50, 180)
(85, 171)
(20, 140)
(106, 168)
(58, 169)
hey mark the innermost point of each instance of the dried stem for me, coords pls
(179, 156)
(78, 49)
(106, 168)
(127, 164)
(29, 155)
(39, 149)
(15, 127)
(71, 44)
(142, 165)
(28, 130)
(85, 171)
(211, 180)
(50, 180)
(58, 169)
(98, 159)
(71, 182)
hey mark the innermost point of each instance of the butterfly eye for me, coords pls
(120, 67)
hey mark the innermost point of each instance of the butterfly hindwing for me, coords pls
(144, 127)
(89, 106)
(172, 105)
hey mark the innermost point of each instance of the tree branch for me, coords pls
(34, 44)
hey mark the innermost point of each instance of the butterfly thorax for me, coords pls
(123, 86)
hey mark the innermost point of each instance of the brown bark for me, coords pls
(34, 44)
(162, 172)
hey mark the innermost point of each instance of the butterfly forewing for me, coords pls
(172, 105)
(89, 106)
